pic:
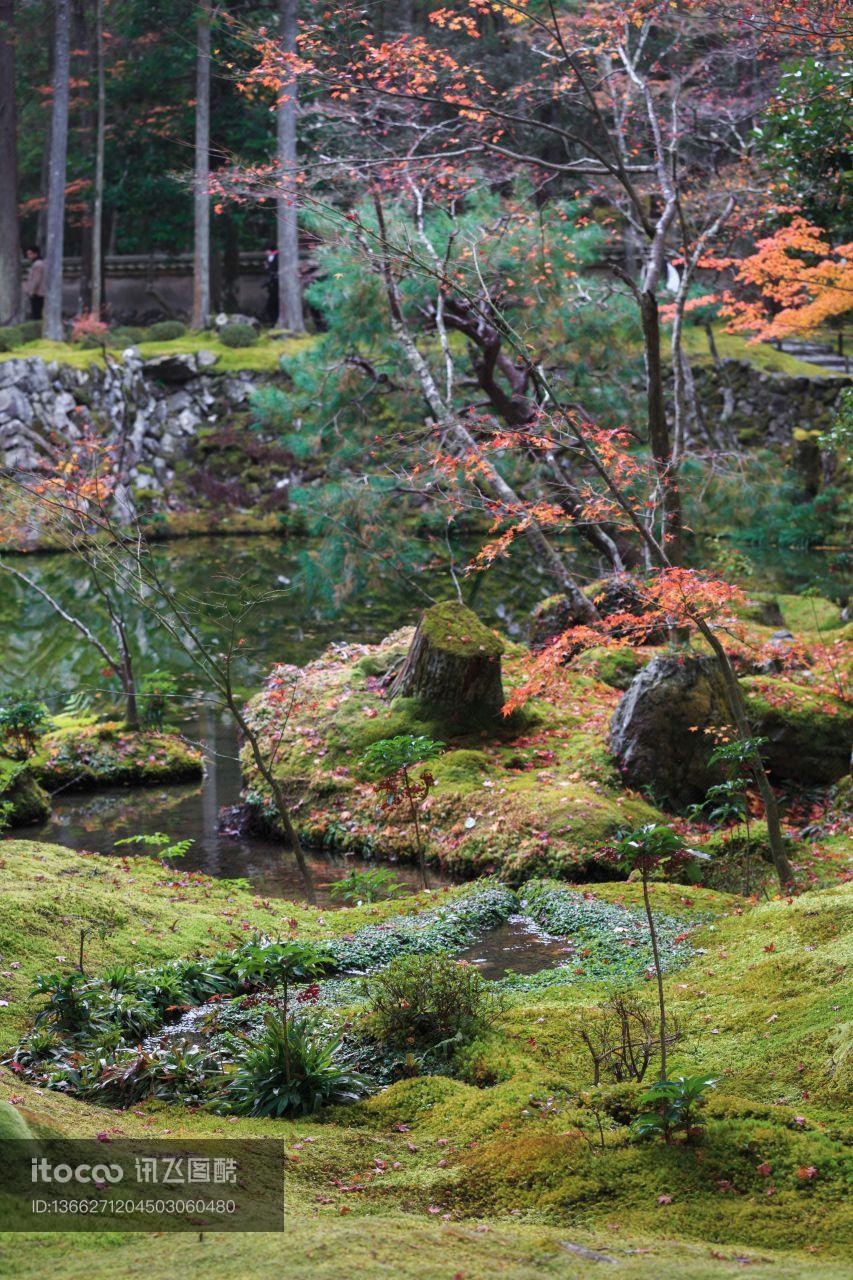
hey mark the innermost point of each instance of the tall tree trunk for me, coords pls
(56, 180)
(201, 259)
(82, 124)
(98, 199)
(659, 441)
(289, 284)
(10, 238)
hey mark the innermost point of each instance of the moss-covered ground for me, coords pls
(502, 1168)
(537, 793)
(264, 356)
(763, 356)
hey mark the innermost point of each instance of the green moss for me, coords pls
(806, 614)
(12, 1124)
(82, 756)
(808, 730)
(536, 794)
(165, 914)
(615, 667)
(457, 630)
(461, 768)
(730, 346)
(435, 1176)
(264, 357)
(19, 789)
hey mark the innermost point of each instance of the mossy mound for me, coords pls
(22, 800)
(81, 757)
(808, 731)
(534, 795)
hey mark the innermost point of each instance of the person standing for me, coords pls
(34, 283)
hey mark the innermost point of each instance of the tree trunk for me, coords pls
(10, 239)
(290, 315)
(82, 125)
(454, 665)
(671, 537)
(98, 200)
(56, 181)
(201, 243)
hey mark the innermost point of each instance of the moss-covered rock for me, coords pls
(79, 757)
(533, 794)
(616, 667)
(808, 731)
(663, 731)
(22, 800)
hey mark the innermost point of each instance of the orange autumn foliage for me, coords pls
(668, 598)
(795, 282)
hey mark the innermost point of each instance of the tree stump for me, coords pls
(453, 665)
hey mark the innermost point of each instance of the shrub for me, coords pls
(623, 1039)
(30, 330)
(157, 688)
(10, 337)
(165, 331)
(429, 1001)
(294, 1070)
(237, 335)
(389, 763)
(126, 336)
(88, 331)
(22, 723)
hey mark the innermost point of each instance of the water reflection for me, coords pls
(193, 812)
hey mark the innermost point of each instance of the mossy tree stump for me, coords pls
(453, 665)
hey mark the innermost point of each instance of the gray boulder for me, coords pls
(661, 732)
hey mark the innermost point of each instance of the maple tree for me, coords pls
(795, 282)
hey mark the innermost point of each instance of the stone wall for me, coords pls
(149, 411)
(743, 405)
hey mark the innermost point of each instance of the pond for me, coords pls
(43, 654)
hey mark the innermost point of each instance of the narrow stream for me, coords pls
(518, 946)
(194, 812)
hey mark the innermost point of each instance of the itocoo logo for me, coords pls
(41, 1170)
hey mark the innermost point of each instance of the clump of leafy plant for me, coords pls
(390, 763)
(295, 1069)
(23, 722)
(672, 1107)
(160, 845)
(430, 1002)
(158, 688)
(366, 886)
